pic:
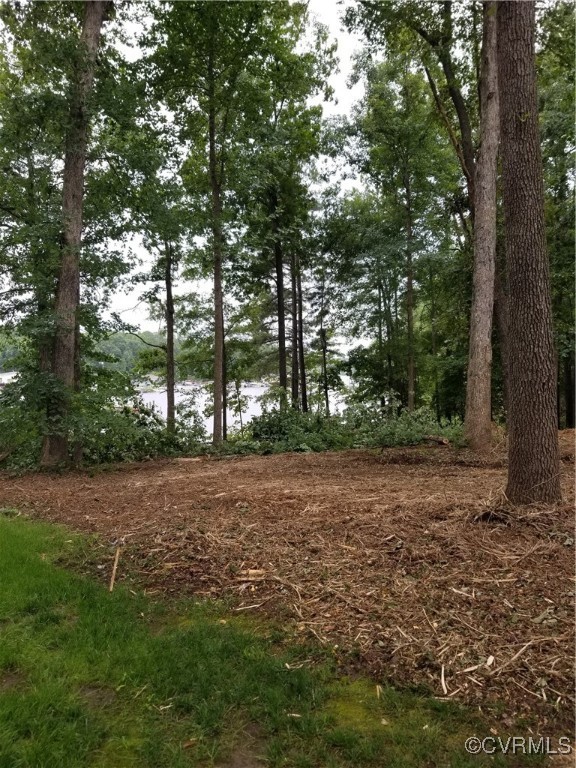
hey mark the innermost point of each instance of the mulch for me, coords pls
(408, 562)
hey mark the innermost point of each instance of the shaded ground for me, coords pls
(407, 560)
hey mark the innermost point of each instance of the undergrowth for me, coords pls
(279, 431)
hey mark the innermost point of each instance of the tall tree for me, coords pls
(478, 415)
(283, 132)
(555, 62)
(406, 160)
(202, 51)
(66, 337)
(214, 63)
(433, 24)
(533, 456)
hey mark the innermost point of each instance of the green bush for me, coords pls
(360, 426)
(413, 428)
(108, 417)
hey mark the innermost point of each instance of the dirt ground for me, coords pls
(406, 560)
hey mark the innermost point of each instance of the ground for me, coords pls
(408, 562)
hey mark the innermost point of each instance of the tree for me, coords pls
(201, 52)
(533, 456)
(282, 140)
(65, 353)
(477, 422)
(556, 96)
(207, 57)
(433, 23)
(407, 162)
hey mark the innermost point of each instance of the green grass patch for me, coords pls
(107, 680)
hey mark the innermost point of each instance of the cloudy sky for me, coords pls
(327, 12)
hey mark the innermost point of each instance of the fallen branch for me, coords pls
(114, 569)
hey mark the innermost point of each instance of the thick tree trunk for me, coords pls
(533, 455)
(477, 422)
(170, 365)
(295, 377)
(55, 446)
(303, 386)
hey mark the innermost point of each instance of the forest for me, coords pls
(181, 151)
(365, 212)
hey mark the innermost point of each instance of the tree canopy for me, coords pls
(181, 150)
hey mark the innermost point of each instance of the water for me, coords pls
(251, 391)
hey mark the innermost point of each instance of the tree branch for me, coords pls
(148, 343)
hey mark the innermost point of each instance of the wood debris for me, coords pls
(390, 558)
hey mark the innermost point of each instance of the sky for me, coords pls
(327, 12)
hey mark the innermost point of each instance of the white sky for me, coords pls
(327, 12)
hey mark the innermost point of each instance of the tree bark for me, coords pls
(55, 446)
(533, 455)
(170, 365)
(477, 421)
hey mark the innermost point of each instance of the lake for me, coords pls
(251, 391)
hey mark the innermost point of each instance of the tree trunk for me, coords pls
(501, 317)
(437, 404)
(279, 265)
(55, 446)
(464, 148)
(324, 345)
(533, 455)
(467, 144)
(217, 240)
(295, 378)
(410, 296)
(78, 446)
(303, 387)
(477, 422)
(170, 366)
(381, 355)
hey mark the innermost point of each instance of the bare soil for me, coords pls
(408, 561)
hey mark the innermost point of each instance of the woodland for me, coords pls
(182, 148)
(380, 563)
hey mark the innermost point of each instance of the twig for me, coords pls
(516, 655)
(113, 577)
(443, 681)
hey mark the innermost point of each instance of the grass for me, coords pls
(95, 679)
